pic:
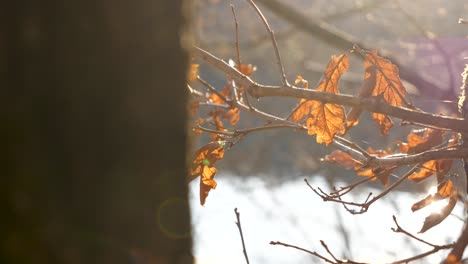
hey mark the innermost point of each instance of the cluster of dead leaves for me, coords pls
(418, 141)
(381, 81)
(203, 166)
(347, 161)
(205, 157)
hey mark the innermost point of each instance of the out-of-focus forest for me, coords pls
(422, 37)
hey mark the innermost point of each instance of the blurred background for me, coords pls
(263, 175)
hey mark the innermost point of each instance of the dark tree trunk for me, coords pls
(92, 132)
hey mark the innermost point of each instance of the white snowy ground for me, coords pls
(293, 214)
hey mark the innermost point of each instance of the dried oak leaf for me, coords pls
(422, 140)
(198, 122)
(193, 72)
(439, 167)
(383, 174)
(444, 190)
(247, 69)
(437, 218)
(218, 124)
(226, 92)
(388, 86)
(193, 108)
(365, 91)
(233, 114)
(203, 165)
(343, 159)
(324, 120)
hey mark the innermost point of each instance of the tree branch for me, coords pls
(257, 90)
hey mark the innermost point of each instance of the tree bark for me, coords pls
(93, 135)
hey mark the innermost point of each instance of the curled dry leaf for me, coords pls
(437, 218)
(232, 115)
(198, 122)
(247, 69)
(444, 190)
(324, 120)
(421, 140)
(439, 167)
(341, 158)
(365, 91)
(203, 165)
(388, 86)
(218, 124)
(193, 72)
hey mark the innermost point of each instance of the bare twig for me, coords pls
(302, 249)
(399, 229)
(238, 224)
(364, 206)
(273, 40)
(237, 34)
(342, 40)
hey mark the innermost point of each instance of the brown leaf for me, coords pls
(232, 115)
(198, 122)
(193, 72)
(207, 182)
(343, 159)
(226, 92)
(383, 122)
(218, 124)
(305, 83)
(388, 87)
(365, 91)
(324, 120)
(193, 108)
(247, 69)
(419, 141)
(436, 218)
(382, 174)
(388, 84)
(444, 190)
(441, 167)
(203, 165)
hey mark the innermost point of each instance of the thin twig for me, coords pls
(237, 35)
(213, 90)
(302, 249)
(399, 229)
(364, 206)
(238, 223)
(273, 40)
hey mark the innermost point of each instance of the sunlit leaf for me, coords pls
(218, 124)
(365, 91)
(383, 122)
(207, 182)
(422, 140)
(203, 165)
(193, 72)
(198, 122)
(193, 108)
(439, 167)
(247, 69)
(343, 159)
(388, 87)
(437, 217)
(324, 120)
(444, 190)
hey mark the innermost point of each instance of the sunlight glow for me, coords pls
(436, 206)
